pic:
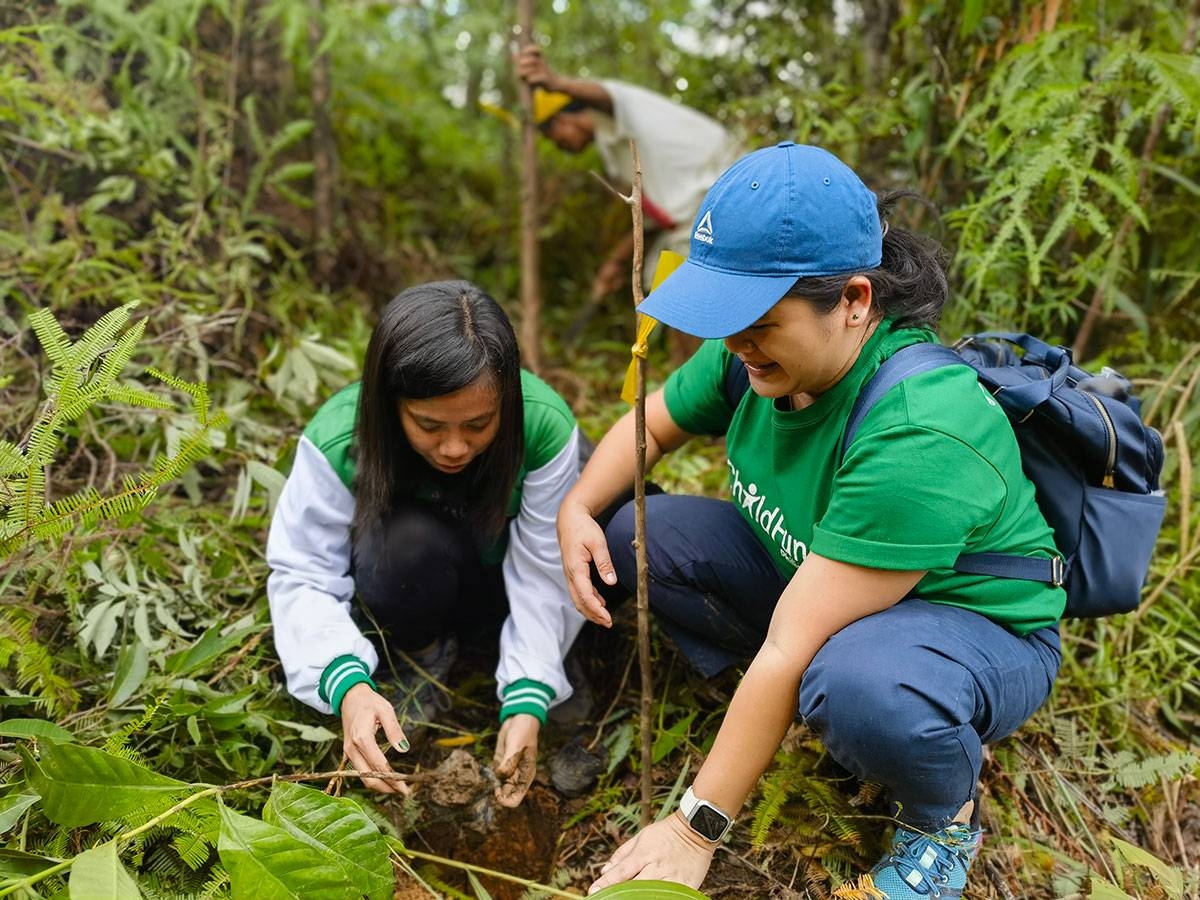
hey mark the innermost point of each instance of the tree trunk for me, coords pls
(531, 289)
(322, 147)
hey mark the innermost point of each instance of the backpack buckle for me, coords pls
(1058, 571)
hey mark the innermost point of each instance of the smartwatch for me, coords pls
(709, 821)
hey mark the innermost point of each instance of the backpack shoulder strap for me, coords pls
(907, 361)
(737, 382)
(913, 360)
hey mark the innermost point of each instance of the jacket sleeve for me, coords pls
(542, 622)
(310, 585)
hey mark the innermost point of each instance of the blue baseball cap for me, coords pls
(776, 215)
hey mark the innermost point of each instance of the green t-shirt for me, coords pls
(548, 426)
(934, 471)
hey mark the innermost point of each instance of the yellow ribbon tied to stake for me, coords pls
(668, 262)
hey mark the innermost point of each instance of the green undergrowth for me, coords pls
(165, 332)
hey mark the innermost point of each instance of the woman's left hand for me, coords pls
(668, 850)
(515, 762)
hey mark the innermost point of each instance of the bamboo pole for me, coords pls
(531, 289)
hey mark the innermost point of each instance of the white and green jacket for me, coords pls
(311, 585)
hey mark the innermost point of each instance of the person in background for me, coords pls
(429, 490)
(682, 151)
(833, 568)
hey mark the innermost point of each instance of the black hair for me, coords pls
(432, 340)
(910, 284)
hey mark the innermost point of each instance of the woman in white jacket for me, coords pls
(429, 491)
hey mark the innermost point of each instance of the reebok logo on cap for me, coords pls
(704, 230)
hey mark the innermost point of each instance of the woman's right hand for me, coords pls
(533, 69)
(582, 542)
(364, 712)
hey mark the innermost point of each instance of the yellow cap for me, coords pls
(547, 104)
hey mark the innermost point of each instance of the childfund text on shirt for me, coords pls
(769, 519)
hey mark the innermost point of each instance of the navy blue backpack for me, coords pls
(1094, 463)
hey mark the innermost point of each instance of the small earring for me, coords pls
(854, 318)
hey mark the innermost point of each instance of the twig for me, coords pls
(401, 850)
(12, 186)
(616, 699)
(237, 658)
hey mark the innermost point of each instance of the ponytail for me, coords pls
(909, 285)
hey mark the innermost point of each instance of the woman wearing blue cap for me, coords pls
(832, 564)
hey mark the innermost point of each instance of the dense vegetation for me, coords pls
(203, 203)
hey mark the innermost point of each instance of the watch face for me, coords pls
(709, 822)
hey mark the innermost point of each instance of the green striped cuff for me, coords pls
(526, 696)
(339, 676)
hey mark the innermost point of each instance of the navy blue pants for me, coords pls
(906, 697)
(420, 577)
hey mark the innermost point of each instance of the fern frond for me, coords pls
(136, 396)
(101, 335)
(118, 357)
(12, 460)
(50, 335)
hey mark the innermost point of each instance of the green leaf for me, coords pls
(83, 785)
(649, 890)
(481, 892)
(1181, 73)
(266, 863)
(205, 649)
(35, 728)
(672, 737)
(132, 665)
(1171, 879)
(337, 827)
(13, 807)
(1101, 889)
(972, 16)
(15, 865)
(97, 874)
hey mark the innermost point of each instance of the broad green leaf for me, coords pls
(338, 828)
(672, 737)
(132, 665)
(83, 785)
(649, 890)
(97, 874)
(35, 728)
(266, 863)
(1102, 889)
(15, 865)
(1170, 878)
(13, 807)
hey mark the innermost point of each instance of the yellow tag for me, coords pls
(668, 262)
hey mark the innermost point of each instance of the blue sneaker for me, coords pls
(919, 867)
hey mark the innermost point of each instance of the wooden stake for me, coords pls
(639, 505)
(634, 202)
(531, 290)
